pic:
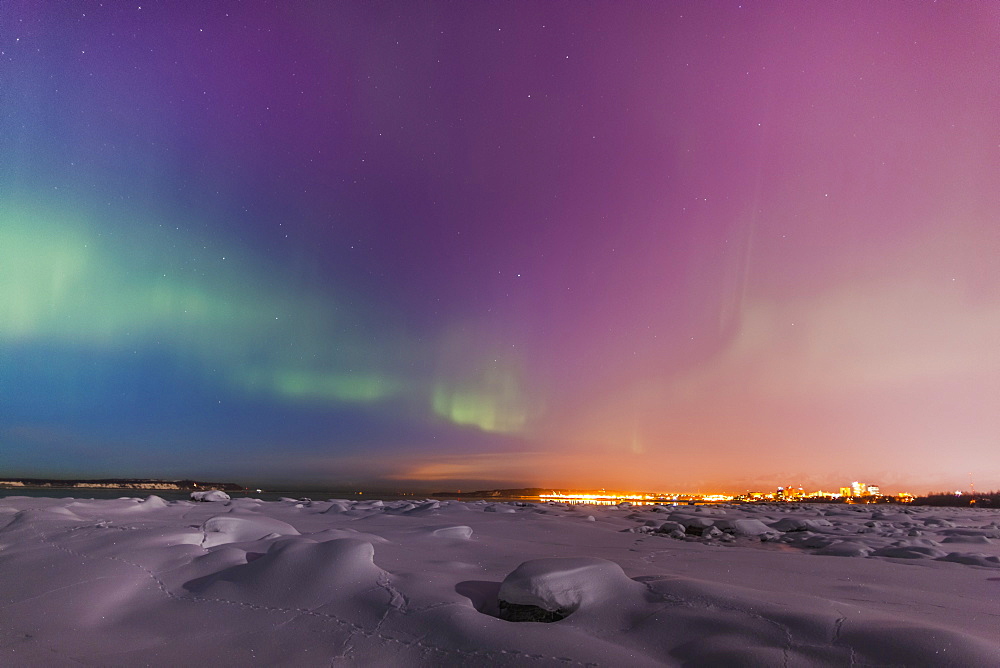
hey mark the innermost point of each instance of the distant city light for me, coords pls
(856, 491)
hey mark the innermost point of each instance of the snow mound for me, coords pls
(338, 506)
(460, 532)
(909, 552)
(809, 540)
(333, 534)
(245, 503)
(787, 524)
(499, 508)
(230, 528)
(982, 540)
(846, 548)
(987, 532)
(938, 522)
(974, 559)
(35, 515)
(401, 508)
(425, 507)
(300, 574)
(153, 501)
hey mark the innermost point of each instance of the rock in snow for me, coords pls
(559, 586)
(210, 495)
(745, 527)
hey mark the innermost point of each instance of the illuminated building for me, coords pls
(828, 496)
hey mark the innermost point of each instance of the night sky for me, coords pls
(425, 245)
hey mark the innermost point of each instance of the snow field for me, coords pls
(308, 583)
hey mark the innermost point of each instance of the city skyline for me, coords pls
(431, 246)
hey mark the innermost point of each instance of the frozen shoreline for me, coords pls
(129, 582)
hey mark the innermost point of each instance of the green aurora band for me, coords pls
(62, 283)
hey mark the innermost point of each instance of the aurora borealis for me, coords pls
(424, 245)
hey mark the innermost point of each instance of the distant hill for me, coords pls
(502, 493)
(121, 483)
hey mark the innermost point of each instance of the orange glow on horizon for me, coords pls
(612, 498)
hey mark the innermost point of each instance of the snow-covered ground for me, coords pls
(133, 582)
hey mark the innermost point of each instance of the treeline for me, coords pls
(980, 499)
